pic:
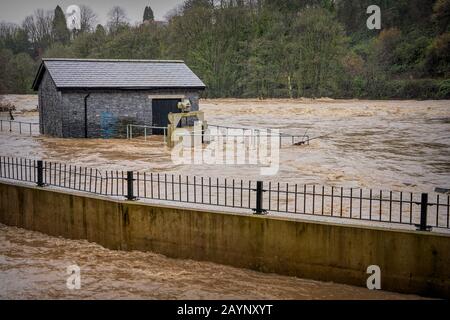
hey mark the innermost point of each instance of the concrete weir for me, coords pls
(410, 261)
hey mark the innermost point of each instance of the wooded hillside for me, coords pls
(257, 48)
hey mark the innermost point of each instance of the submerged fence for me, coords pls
(134, 130)
(29, 128)
(423, 210)
(283, 138)
(214, 131)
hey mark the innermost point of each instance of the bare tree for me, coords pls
(39, 27)
(88, 18)
(44, 22)
(117, 18)
(30, 28)
(7, 29)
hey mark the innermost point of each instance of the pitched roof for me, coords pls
(121, 74)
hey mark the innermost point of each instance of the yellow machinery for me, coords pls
(176, 118)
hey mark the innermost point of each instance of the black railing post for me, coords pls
(203, 133)
(259, 198)
(423, 213)
(40, 173)
(130, 181)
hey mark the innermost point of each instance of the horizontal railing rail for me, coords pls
(242, 131)
(21, 127)
(134, 130)
(423, 210)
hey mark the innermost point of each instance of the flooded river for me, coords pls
(390, 145)
(33, 266)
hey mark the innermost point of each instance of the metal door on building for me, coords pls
(160, 112)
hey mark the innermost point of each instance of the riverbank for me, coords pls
(305, 249)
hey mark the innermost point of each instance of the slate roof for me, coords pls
(118, 74)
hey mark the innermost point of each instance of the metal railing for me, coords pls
(142, 130)
(423, 210)
(354, 203)
(256, 132)
(30, 128)
(222, 131)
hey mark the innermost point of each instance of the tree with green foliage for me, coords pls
(441, 15)
(260, 48)
(6, 83)
(58, 50)
(139, 43)
(438, 56)
(14, 38)
(100, 31)
(88, 18)
(59, 27)
(117, 19)
(148, 14)
(22, 64)
(320, 46)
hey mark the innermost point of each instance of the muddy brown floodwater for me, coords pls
(393, 145)
(33, 266)
(389, 145)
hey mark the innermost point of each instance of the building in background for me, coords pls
(91, 98)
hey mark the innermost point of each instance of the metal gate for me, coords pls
(160, 112)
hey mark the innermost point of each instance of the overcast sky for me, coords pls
(16, 10)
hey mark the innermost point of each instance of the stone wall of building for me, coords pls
(109, 111)
(50, 115)
(62, 113)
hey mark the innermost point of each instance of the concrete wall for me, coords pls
(410, 262)
(108, 111)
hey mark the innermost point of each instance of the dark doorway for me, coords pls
(160, 111)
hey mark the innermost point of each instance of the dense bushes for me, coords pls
(416, 89)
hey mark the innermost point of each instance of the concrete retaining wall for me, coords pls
(410, 262)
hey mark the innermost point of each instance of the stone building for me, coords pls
(85, 98)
